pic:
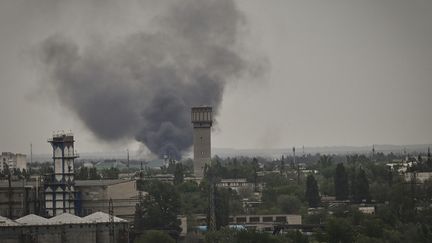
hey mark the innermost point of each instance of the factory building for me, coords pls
(95, 228)
(94, 195)
(59, 187)
(202, 121)
(13, 161)
(19, 198)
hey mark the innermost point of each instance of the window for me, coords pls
(267, 219)
(241, 220)
(281, 219)
(254, 219)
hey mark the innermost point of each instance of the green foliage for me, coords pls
(312, 193)
(325, 161)
(222, 206)
(270, 194)
(297, 237)
(360, 186)
(153, 236)
(339, 231)
(178, 174)
(224, 235)
(159, 208)
(341, 183)
(85, 173)
(111, 173)
(243, 236)
(289, 204)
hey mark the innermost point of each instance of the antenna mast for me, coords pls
(128, 163)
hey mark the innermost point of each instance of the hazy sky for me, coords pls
(339, 72)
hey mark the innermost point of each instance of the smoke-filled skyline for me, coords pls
(143, 85)
(344, 73)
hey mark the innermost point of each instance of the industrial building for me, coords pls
(94, 195)
(202, 121)
(27, 197)
(13, 161)
(20, 198)
(261, 222)
(95, 228)
(59, 187)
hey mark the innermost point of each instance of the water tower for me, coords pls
(59, 186)
(202, 121)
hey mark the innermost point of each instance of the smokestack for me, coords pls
(143, 85)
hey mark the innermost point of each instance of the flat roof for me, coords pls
(99, 182)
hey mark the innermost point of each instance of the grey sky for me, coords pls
(340, 72)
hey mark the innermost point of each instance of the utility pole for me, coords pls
(111, 221)
(31, 153)
(429, 155)
(212, 216)
(10, 194)
(128, 163)
(298, 166)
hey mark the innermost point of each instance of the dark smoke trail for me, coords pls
(144, 85)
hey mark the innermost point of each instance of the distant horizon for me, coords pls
(250, 152)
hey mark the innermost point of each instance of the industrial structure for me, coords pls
(202, 120)
(59, 186)
(95, 228)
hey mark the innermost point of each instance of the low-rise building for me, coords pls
(20, 198)
(240, 184)
(94, 196)
(418, 176)
(13, 161)
(25, 197)
(260, 222)
(95, 228)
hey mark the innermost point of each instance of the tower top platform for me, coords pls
(202, 115)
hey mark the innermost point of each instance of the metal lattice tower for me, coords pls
(59, 186)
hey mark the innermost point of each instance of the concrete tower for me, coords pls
(59, 187)
(202, 121)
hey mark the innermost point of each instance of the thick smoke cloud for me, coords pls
(144, 85)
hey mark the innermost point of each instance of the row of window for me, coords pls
(264, 219)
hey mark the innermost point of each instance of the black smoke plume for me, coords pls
(144, 85)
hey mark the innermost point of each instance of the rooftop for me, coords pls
(7, 222)
(66, 218)
(99, 182)
(32, 219)
(101, 217)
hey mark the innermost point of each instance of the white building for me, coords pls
(13, 161)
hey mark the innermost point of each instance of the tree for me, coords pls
(339, 231)
(282, 165)
(159, 208)
(111, 173)
(255, 173)
(325, 161)
(152, 236)
(82, 173)
(312, 194)
(289, 204)
(361, 186)
(341, 182)
(222, 207)
(93, 175)
(178, 174)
